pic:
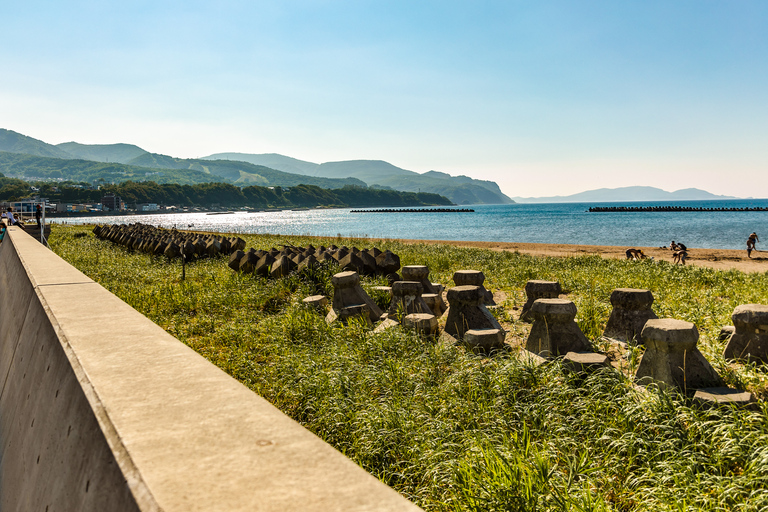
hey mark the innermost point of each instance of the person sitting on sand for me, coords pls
(673, 246)
(679, 257)
(635, 254)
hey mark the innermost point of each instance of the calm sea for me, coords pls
(567, 223)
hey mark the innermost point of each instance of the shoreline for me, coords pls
(719, 259)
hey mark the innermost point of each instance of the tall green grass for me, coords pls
(457, 431)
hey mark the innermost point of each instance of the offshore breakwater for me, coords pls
(674, 209)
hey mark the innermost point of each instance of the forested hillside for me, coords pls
(34, 168)
(221, 195)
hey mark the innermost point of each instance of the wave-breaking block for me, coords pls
(554, 331)
(672, 358)
(750, 336)
(631, 310)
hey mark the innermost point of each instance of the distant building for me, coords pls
(112, 203)
(147, 207)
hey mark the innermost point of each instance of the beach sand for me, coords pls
(720, 259)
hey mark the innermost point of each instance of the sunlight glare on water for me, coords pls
(562, 223)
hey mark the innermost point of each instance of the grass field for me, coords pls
(452, 430)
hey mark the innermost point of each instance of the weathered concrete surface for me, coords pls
(348, 292)
(711, 397)
(423, 323)
(103, 410)
(750, 337)
(473, 278)
(554, 331)
(631, 309)
(585, 361)
(407, 299)
(418, 273)
(672, 358)
(319, 302)
(485, 339)
(467, 311)
(537, 289)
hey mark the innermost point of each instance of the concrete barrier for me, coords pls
(101, 409)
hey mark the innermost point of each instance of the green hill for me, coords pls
(378, 173)
(13, 142)
(272, 160)
(242, 173)
(32, 168)
(118, 153)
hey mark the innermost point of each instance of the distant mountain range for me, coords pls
(26, 157)
(378, 173)
(626, 194)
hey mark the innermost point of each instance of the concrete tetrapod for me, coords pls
(554, 332)
(318, 302)
(418, 273)
(536, 289)
(406, 299)
(473, 278)
(467, 311)
(631, 309)
(484, 340)
(750, 337)
(423, 323)
(585, 361)
(348, 292)
(672, 358)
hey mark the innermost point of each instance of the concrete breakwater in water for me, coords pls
(673, 209)
(416, 210)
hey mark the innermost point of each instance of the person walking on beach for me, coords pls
(751, 241)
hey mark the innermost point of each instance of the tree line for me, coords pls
(221, 194)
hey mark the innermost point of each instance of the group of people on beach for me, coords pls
(679, 253)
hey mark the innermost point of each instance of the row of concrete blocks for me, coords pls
(168, 242)
(747, 339)
(417, 303)
(671, 359)
(631, 308)
(279, 263)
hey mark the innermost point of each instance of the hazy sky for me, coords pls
(543, 97)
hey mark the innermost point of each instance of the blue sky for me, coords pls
(545, 98)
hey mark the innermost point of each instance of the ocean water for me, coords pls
(566, 223)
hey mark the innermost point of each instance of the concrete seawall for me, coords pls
(102, 410)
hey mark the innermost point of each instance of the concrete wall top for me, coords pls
(185, 435)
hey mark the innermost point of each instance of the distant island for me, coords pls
(624, 194)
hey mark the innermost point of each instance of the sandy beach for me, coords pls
(720, 259)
